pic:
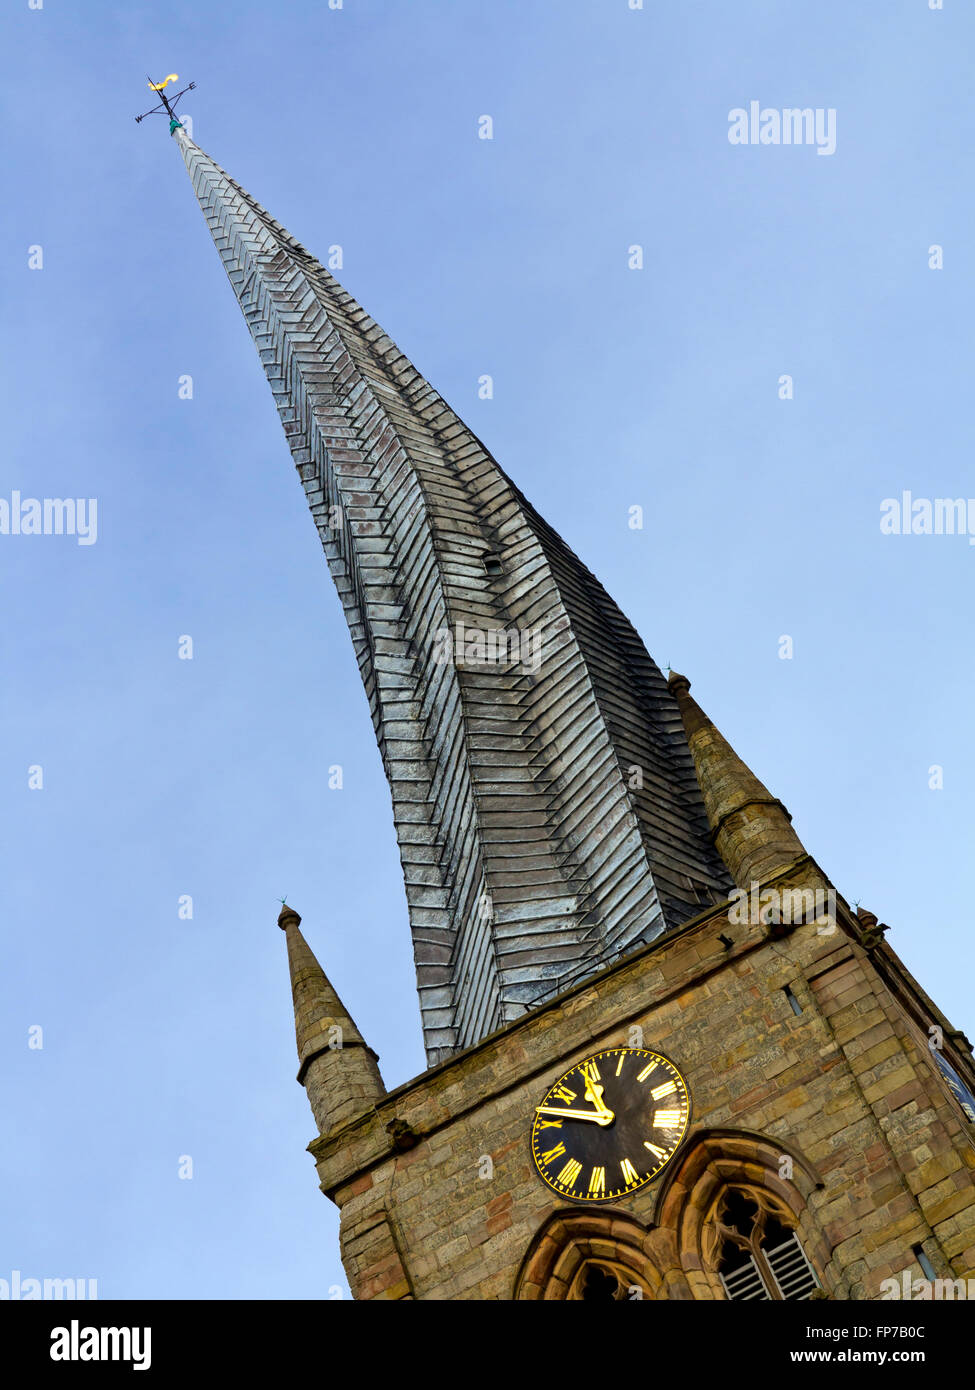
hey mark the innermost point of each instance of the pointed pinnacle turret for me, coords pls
(338, 1070)
(752, 829)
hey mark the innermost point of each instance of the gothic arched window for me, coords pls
(593, 1257)
(599, 1285)
(759, 1254)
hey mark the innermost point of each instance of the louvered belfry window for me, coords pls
(760, 1257)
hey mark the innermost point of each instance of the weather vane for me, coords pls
(167, 107)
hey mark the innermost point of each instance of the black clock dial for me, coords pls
(610, 1124)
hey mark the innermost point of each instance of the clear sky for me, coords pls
(165, 1037)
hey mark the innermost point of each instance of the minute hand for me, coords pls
(596, 1117)
(594, 1093)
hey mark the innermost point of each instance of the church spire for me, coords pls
(752, 829)
(339, 1072)
(544, 798)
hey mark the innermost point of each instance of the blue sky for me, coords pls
(613, 387)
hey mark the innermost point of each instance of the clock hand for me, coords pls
(599, 1117)
(594, 1093)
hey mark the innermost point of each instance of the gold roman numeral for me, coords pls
(592, 1071)
(652, 1066)
(630, 1175)
(597, 1180)
(659, 1092)
(553, 1154)
(666, 1119)
(564, 1093)
(657, 1152)
(548, 1124)
(619, 1064)
(569, 1173)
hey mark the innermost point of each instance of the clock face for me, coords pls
(608, 1126)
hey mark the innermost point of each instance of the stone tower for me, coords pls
(592, 873)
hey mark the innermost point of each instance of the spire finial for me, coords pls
(168, 107)
(286, 915)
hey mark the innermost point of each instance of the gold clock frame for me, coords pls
(549, 1106)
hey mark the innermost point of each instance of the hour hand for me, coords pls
(594, 1093)
(596, 1117)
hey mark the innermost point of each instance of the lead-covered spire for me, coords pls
(544, 798)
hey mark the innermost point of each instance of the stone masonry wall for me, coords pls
(846, 1087)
